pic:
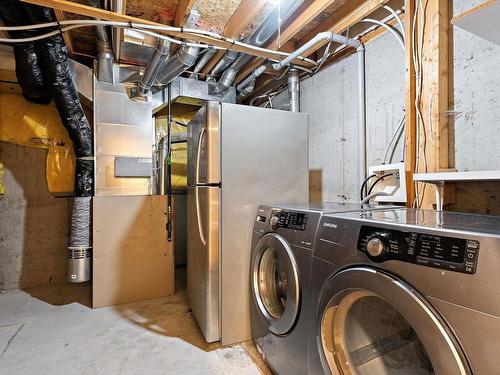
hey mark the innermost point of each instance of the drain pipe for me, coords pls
(147, 80)
(294, 90)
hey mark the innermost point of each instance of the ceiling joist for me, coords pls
(84, 10)
(182, 13)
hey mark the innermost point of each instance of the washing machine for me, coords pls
(282, 246)
(406, 292)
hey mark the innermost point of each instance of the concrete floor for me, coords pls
(51, 330)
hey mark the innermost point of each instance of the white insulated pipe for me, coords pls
(360, 51)
(326, 36)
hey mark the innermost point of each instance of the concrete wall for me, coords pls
(476, 103)
(34, 227)
(331, 99)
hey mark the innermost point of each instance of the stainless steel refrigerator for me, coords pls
(238, 157)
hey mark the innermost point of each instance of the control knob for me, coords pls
(275, 219)
(375, 247)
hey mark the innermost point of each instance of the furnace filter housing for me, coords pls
(79, 249)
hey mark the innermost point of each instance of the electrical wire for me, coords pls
(363, 185)
(398, 130)
(378, 180)
(398, 19)
(140, 27)
(389, 28)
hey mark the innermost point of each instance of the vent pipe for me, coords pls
(147, 80)
(294, 90)
(28, 69)
(205, 58)
(160, 72)
(223, 63)
(105, 54)
(53, 58)
(259, 37)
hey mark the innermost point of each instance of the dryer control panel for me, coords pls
(289, 220)
(452, 254)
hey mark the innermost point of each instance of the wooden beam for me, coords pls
(102, 14)
(410, 93)
(241, 18)
(68, 39)
(349, 14)
(182, 12)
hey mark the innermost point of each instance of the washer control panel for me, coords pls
(288, 220)
(452, 254)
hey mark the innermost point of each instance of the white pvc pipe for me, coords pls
(361, 113)
(327, 36)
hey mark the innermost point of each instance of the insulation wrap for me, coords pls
(28, 71)
(81, 223)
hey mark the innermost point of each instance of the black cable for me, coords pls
(377, 180)
(364, 184)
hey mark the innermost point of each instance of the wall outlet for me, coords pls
(394, 185)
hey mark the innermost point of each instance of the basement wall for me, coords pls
(34, 227)
(330, 97)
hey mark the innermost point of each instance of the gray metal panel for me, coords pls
(203, 259)
(133, 167)
(121, 128)
(264, 159)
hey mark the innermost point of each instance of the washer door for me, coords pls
(275, 283)
(372, 323)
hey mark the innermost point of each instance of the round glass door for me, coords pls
(371, 323)
(275, 283)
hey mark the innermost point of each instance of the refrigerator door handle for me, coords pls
(196, 189)
(198, 216)
(198, 156)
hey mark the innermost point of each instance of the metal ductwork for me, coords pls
(105, 54)
(223, 63)
(247, 89)
(149, 77)
(160, 72)
(294, 90)
(204, 59)
(185, 58)
(258, 38)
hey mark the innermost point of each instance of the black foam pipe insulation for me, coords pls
(52, 60)
(28, 71)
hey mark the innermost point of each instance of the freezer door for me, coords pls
(204, 146)
(203, 259)
(264, 161)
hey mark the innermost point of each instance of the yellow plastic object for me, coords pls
(2, 186)
(36, 125)
(179, 150)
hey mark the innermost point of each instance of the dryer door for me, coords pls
(370, 322)
(275, 283)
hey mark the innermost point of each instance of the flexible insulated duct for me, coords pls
(28, 71)
(53, 58)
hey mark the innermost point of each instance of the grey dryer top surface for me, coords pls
(327, 207)
(443, 220)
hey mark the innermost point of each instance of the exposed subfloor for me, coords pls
(51, 330)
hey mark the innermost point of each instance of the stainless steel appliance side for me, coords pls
(203, 259)
(264, 159)
(204, 146)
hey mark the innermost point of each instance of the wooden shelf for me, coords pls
(481, 20)
(457, 176)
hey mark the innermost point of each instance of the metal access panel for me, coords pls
(123, 131)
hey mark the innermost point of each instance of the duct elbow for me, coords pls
(226, 81)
